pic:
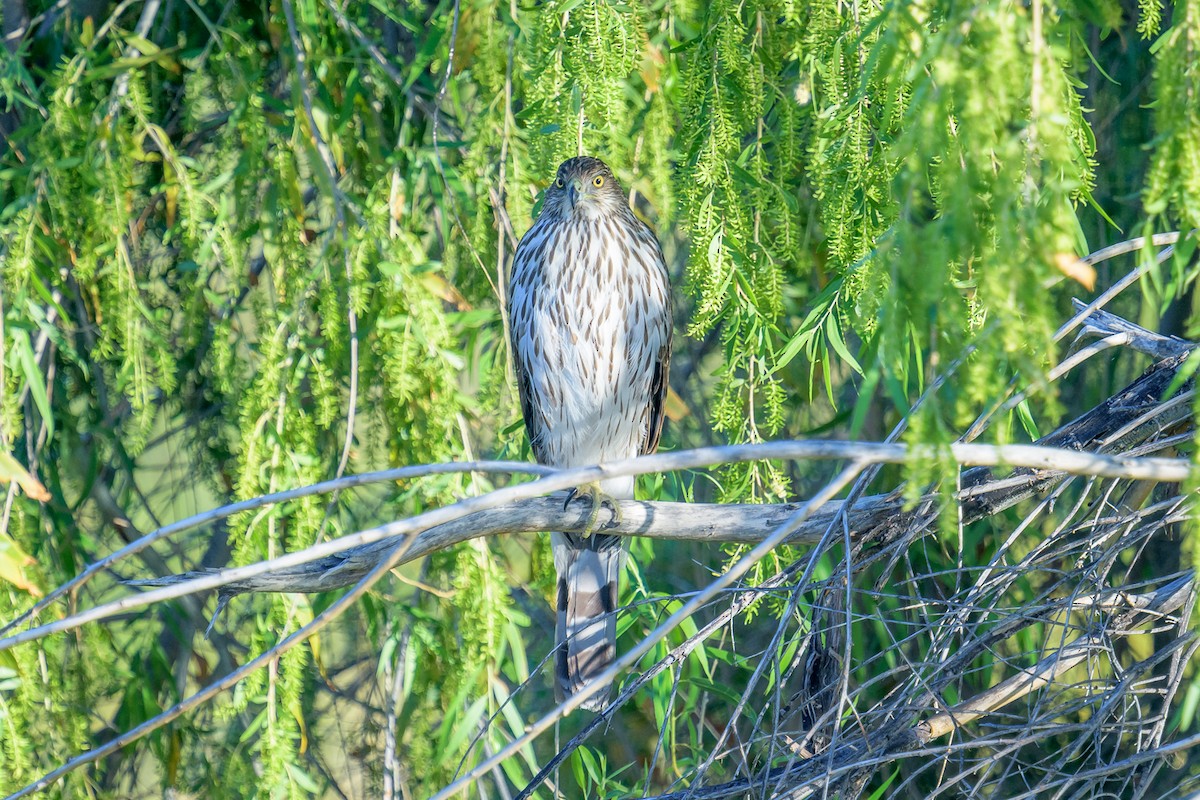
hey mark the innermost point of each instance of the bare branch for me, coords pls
(218, 514)
(1141, 609)
(1039, 467)
(982, 493)
(802, 778)
(1103, 323)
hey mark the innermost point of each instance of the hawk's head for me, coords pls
(585, 188)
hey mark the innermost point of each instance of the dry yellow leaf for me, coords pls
(674, 406)
(13, 561)
(1076, 269)
(11, 470)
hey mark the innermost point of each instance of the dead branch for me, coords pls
(1135, 421)
(1102, 323)
(802, 778)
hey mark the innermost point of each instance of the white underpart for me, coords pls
(598, 382)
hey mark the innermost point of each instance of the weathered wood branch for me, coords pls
(1103, 323)
(1133, 612)
(1046, 461)
(745, 523)
(871, 750)
(1135, 421)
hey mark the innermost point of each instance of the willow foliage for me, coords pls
(249, 247)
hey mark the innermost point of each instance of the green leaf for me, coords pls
(466, 724)
(34, 380)
(1025, 414)
(591, 764)
(835, 339)
(144, 46)
(303, 779)
(881, 792)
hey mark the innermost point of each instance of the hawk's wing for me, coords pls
(662, 364)
(535, 418)
(523, 282)
(658, 398)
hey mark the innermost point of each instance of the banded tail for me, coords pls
(585, 635)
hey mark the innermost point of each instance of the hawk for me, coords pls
(590, 318)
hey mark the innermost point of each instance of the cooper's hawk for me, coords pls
(590, 311)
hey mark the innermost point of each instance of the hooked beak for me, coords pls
(574, 190)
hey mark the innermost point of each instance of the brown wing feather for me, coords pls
(525, 259)
(662, 365)
(658, 399)
(535, 423)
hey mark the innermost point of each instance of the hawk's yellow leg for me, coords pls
(599, 498)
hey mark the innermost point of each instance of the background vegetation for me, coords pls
(247, 246)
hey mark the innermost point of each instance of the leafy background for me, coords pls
(251, 246)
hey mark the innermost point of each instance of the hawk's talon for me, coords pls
(598, 499)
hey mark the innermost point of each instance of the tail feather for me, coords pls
(586, 633)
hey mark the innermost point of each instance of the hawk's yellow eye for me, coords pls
(598, 181)
(558, 182)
